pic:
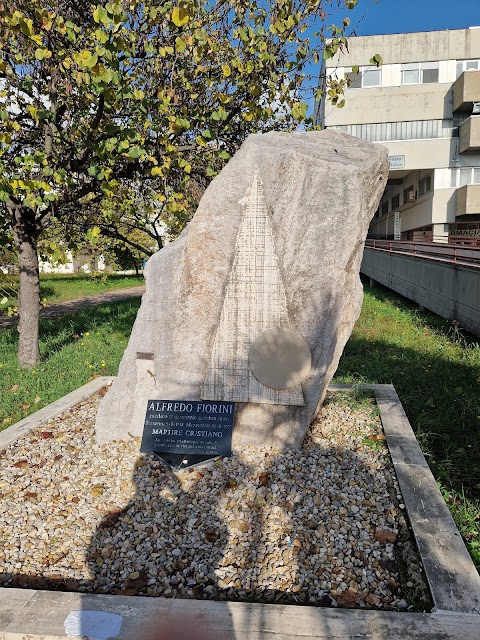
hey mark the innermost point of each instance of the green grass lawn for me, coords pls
(73, 349)
(61, 287)
(435, 370)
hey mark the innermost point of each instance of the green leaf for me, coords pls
(26, 27)
(86, 59)
(376, 60)
(135, 152)
(299, 110)
(180, 45)
(100, 16)
(101, 36)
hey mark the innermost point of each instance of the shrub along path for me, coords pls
(61, 308)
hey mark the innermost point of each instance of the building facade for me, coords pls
(423, 104)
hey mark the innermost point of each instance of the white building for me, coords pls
(423, 104)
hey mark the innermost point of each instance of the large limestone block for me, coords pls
(276, 242)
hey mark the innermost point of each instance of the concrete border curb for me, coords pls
(453, 580)
(41, 616)
(19, 429)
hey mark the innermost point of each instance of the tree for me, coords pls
(129, 96)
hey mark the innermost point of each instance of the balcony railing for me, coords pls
(439, 252)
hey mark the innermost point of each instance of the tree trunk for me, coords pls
(25, 233)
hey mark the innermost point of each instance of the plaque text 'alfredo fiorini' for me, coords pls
(194, 427)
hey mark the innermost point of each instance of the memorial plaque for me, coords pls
(187, 432)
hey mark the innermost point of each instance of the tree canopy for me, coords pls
(105, 105)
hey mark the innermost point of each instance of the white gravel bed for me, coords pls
(315, 526)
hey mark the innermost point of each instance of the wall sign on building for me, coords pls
(396, 162)
(397, 227)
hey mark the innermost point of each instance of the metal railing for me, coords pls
(465, 256)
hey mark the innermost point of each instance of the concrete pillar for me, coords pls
(440, 232)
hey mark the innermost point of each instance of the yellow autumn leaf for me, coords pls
(180, 16)
(32, 111)
(97, 490)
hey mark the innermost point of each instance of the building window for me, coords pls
(467, 65)
(465, 175)
(366, 77)
(385, 208)
(371, 78)
(420, 73)
(408, 194)
(424, 185)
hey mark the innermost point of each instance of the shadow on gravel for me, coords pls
(232, 530)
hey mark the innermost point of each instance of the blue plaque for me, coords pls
(186, 432)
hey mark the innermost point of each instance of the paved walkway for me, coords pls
(61, 308)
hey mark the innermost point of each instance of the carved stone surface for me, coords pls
(254, 301)
(321, 190)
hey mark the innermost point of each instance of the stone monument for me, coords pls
(255, 300)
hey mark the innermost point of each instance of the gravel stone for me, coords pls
(299, 526)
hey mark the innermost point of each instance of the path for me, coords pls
(61, 308)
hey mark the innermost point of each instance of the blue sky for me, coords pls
(400, 16)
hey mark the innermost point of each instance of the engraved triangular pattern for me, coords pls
(254, 302)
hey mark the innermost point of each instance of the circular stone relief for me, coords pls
(280, 358)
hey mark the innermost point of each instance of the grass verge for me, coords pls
(73, 349)
(435, 369)
(62, 287)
